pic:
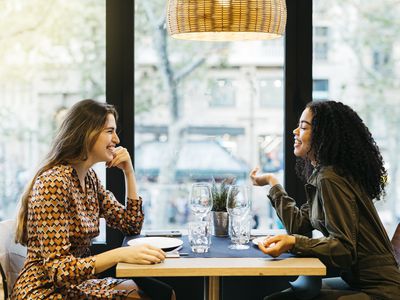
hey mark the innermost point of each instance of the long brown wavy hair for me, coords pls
(74, 139)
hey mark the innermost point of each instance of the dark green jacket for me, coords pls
(354, 240)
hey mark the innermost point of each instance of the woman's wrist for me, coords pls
(129, 172)
(273, 181)
(117, 255)
(292, 241)
(106, 260)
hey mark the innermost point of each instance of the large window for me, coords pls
(222, 92)
(271, 92)
(202, 111)
(320, 89)
(321, 42)
(52, 54)
(363, 71)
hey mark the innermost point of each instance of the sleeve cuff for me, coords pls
(86, 265)
(135, 200)
(93, 262)
(300, 245)
(275, 192)
(135, 205)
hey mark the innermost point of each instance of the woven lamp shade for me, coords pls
(226, 20)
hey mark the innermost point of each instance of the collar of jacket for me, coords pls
(312, 180)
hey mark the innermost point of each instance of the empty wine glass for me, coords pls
(200, 200)
(238, 206)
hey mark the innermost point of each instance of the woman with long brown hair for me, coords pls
(60, 211)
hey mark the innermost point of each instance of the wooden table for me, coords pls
(213, 268)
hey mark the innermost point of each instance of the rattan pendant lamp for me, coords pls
(226, 20)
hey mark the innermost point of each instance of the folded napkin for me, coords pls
(174, 253)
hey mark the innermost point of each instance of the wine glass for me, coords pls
(200, 200)
(238, 207)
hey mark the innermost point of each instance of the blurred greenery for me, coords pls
(52, 53)
(374, 40)
(51, 36)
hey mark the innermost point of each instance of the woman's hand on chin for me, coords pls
(121, 160)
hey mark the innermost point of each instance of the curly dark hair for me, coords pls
(342, 140)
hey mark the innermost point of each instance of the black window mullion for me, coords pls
(298, 82)
(119, 92)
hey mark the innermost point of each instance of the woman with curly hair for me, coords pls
(344, 173)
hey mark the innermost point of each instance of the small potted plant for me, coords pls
(220, 216)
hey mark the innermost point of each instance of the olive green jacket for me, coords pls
(354, 240)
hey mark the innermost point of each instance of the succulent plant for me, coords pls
(219, 193)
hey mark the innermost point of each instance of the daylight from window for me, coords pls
(52, 55)
(357, 61)
(203, 111)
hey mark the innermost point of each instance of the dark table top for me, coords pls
(218, 248)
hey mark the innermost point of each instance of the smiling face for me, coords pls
(103, 148)
(303, 136)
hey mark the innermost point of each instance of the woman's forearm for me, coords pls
(139, 254)
(130, 184)
(106, 260)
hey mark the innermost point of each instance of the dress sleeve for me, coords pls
(338, 249)
(128, 219)
(49, 212)
(295, 220)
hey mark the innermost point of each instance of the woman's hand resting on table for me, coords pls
(278, 244)
(263, 179)
(141, 254)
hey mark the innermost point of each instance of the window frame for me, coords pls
(119, 92)
(120, 88)
(298, 84)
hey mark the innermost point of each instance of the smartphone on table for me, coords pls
(166, 233)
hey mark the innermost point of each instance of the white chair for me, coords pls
(12, 256)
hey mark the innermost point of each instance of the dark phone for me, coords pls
(167, 233)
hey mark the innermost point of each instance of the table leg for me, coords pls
(213, 288)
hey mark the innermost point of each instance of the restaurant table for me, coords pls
(213, 266)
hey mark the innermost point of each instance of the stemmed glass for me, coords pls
(200, 200)
(238, 207)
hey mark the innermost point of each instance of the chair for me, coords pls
(12, 256)
(3, 284)
(396, 243)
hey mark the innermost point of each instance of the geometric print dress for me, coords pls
(62, 221)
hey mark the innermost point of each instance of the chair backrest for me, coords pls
(3, 284)
(396, 243)
(12, 256)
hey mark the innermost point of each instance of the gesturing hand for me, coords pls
(263, 179)
(121, 160)
(141, 254)
(278, 244)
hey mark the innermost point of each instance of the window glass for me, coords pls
(321, 50)
(362, 70)
(271, 92)
(52, 54)
(203, 110)
(320, 89)
(321, 42)
(222, 93)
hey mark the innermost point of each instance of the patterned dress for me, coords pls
(62, 221)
